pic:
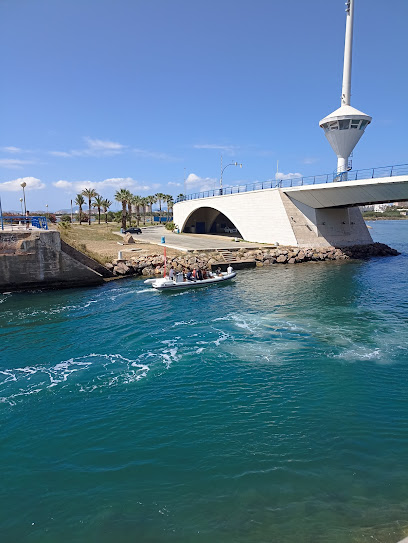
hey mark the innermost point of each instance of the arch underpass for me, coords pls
(208, 220)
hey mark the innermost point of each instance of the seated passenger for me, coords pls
(199, 275)
(189, 275)
(218, 271)
(205, 276)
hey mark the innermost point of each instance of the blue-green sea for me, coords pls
(271, 409)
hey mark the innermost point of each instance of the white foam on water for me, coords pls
(359, 353)
(222, 337)
(87, 373)
(170, 355)
(199, 350)
(185, 323)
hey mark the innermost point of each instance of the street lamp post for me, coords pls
(21, 204)
(23, 185)
(224, 168)
(46, 214)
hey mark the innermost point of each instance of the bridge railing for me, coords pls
(298, 181)
(21, 221)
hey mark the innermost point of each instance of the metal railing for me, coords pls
(352, 175)
(20, 221)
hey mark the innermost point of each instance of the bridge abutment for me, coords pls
(273, 216)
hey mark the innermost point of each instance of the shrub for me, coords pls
(170, 226)
(52, 218)
(65, 218)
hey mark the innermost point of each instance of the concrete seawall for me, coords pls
(36, 259)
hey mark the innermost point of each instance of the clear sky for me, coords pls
(137, 94)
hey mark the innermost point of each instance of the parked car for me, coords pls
(133, 230)
(228, 230)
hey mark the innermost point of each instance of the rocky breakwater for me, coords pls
(150, 265)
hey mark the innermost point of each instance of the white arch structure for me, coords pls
(308, 216)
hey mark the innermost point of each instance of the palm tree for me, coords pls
(160, 197)
(169, 202)
(129, 204)
(151, 200)
(180, 197)
(80, 200)
(144, 204)
(123, 196)
(89, 193)
(106, 205)
(98, 203)
(137, 202)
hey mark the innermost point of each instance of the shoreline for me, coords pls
(152, 265)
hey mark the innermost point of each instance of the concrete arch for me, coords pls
(209, 220)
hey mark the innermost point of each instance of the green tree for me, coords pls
(160, 197)
(170, 203)
(144, 204)
(129, 204)
(89, 193)
(80, 200)
(98, 203)
(123, 196)
(151, 200)
(137, 202)
(181, 197)
(106, 205)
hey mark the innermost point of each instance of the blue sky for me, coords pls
(138, 93)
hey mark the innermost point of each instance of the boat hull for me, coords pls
(168, 285)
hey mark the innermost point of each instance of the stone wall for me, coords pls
(154, 264)
(34, 259)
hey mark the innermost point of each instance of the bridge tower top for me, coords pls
(344, 127)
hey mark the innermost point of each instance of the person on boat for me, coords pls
(194, 275)
(229, 269)
(218, 271)
(205, 275)
(189, 275)
(199, 275)
(171, 273)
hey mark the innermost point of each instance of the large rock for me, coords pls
(121, 269)
(128, 239)
(282, 259)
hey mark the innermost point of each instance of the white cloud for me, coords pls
(60, 153)
(229, 149)
(12, 149)
(199, 184)
(94, 147)
(63, 184)
(104, 146)
(174, 184)
(14, 163)
(15, 185)
(153, 154)
(283, 176)
(116, 183)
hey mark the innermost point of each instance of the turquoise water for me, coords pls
(272, 409)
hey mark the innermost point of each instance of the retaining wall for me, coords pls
(35, 259)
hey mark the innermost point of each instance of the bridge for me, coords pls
(316, 211)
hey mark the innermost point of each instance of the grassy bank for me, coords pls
(102, 242)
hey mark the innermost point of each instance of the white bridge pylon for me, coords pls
(318, 215)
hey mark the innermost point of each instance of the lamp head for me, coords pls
(23, 184)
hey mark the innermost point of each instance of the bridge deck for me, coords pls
(351, 193)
